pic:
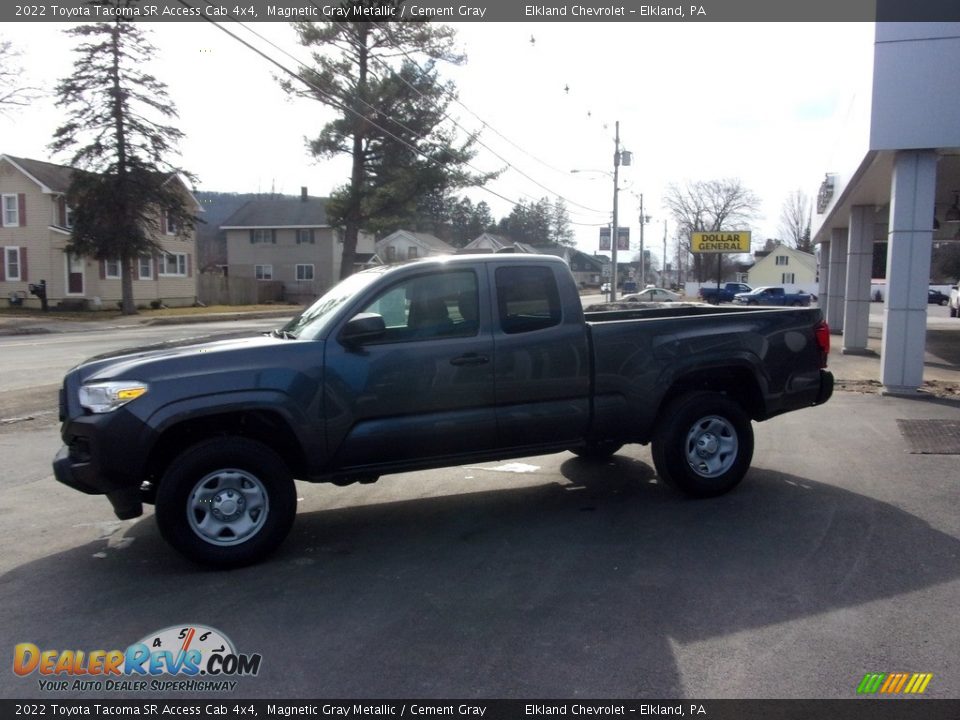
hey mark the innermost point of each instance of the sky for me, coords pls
(767, 103)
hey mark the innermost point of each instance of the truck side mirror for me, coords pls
(362, 328)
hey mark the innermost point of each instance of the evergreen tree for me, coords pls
(390, 120)
(124, 188)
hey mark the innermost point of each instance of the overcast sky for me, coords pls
(766, 103)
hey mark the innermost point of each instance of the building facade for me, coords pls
(899, 185)
(35, 231)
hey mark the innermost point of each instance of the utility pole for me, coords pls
(644, 219)
(663, 270)
(613, 230)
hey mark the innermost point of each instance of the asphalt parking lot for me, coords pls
(545, 577)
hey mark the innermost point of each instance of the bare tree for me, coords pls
(710, 206)
(14, 92)
(795, 221)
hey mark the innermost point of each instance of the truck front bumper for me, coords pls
(83, 476)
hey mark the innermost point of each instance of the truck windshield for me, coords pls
(309, 325)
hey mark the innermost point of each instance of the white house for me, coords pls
(784, 266)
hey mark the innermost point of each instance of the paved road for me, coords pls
(840, 554)
(34, 365)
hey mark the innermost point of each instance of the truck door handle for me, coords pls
(470, 359)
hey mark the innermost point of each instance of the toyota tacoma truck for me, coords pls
(432, 363)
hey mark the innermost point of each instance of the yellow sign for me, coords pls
(720, 242)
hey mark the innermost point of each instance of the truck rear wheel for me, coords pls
(703, 444)
(226, 502)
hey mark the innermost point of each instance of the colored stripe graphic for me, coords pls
(894, 683)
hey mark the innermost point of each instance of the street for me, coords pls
(544, 577)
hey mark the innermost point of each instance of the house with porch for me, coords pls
(35, 232)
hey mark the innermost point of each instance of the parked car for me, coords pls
(722, 294)
(935, 297)
(434, 363)
(773, 296)
(954, 302)
(652, 294)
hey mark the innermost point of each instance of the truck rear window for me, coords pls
(527, 298)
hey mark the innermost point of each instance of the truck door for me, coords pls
(424, 388)
(542, 371)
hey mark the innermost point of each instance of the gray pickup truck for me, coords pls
(427, 364)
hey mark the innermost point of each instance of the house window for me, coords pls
(787, 279)
(11, 211)
(173, 265)
(305, 236)
(261, 236)
(172, 227)
(111, 269)
(11, 263)
(304, 272)
(391, 254)
(263, 272)
(783, 260)
(145, 268)
(411, 253)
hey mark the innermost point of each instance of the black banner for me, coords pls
(855, 709)
(447, 11)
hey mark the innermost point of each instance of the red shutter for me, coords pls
(103, 269)
(189, 266)
(62, 212)
(22, 208)
(23, 264)
(3, 262)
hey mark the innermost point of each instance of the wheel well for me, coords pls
(267, 427)
(737, 383)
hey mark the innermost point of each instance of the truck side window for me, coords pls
(429, 306)
(527, 299)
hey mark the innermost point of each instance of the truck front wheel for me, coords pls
(703, 444)
(226, 502)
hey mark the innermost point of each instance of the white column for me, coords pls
(908, 271)
(824, 293)
(836, 283)
(856, 311)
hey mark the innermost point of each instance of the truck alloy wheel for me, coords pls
(226, 502)
(703, 445)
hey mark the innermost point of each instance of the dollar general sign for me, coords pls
(720, 242)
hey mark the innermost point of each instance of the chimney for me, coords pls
(303, 193)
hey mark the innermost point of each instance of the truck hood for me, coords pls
(182, 358)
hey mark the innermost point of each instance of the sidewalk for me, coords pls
(34, 325)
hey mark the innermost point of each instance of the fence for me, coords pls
(225, 290)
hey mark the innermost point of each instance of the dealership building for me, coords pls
(901, 187)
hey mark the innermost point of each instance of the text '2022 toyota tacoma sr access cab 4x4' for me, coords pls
(427, 364)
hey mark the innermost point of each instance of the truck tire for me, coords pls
(226, 502)
(598, 450)
(703, 444)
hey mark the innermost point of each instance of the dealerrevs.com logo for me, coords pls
(894, 683)
(197, 657)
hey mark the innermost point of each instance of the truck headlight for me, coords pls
(104, 397)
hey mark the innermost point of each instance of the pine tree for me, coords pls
(391, 119)
(123, 188)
